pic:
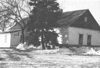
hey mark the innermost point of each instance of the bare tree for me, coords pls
(15, 11)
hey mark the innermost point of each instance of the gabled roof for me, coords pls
(70, 19)
(11, 31)
(17, 27)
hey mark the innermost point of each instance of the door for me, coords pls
(89, 40)
(80, 39)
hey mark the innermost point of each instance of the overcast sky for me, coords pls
(92, 5)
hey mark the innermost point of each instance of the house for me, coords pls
(75, 28)
(78, 28)
(9, 37)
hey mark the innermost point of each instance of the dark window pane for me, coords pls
(85, 19)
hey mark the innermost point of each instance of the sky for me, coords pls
(92, 5)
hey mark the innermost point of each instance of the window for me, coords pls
(89, 40)
(85, 19)
(80, 39)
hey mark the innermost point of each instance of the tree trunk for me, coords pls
(42, 39)
(53, 46)
(22, 36)
(46, 44)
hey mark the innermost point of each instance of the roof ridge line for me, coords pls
(76, 10)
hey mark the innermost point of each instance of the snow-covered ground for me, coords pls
(58, 58)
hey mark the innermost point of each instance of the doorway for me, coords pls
(80, 39)
(89, 40)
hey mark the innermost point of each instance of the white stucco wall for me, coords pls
(5, 40)
(74, 36)
(15, 39)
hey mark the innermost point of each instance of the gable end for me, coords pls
(86, 20)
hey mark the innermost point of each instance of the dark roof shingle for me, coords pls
(68, 18)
